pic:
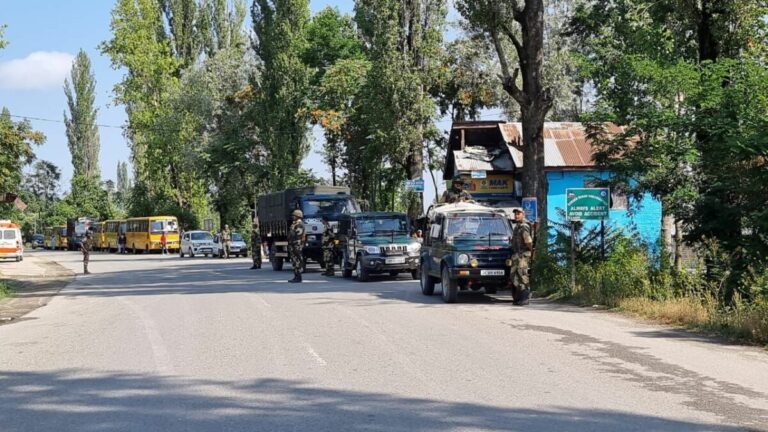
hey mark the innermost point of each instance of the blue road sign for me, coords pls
(531, 208)
(416, 185)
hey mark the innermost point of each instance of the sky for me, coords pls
(44, 36)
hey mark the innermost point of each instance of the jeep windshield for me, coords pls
(477, 227)
(315, 207)
(382, 225)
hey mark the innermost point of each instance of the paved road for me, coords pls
(152, 343)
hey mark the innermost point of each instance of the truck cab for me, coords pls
(376, 243)
(466, 247)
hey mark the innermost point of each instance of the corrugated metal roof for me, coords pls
(482, 159)
(565, 144)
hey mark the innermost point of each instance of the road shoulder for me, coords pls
(36, 281)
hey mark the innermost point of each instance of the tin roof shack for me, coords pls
(494, 147)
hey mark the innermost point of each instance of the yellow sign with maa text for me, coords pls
(493, 184)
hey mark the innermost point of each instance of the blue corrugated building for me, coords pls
(493, 149)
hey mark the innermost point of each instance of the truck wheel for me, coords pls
(277, 264)
(427, 282)
(346, 271)
(450, 286)
(362, 273)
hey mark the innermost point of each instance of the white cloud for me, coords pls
(37, 71)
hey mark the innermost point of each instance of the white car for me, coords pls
(11, 242)
(197, 243)
(237, 246)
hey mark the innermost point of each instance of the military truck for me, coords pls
(466, 247)
(378, 242)
(274, 214)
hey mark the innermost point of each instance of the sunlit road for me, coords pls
(151, 343)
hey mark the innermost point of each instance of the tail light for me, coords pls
(18, 245)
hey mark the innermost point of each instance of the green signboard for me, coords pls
(587, 203)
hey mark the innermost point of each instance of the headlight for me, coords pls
(414, 247)
(462, 259)
(372, 249)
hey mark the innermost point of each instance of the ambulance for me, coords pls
(11, 243)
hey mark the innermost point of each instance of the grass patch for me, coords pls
(746, 322)
(6, 289)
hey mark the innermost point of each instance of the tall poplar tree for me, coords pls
(281, 107)
(82, 131)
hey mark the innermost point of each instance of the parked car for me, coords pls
(467, 247)
(197, 243)
(38, 241)
(237, 246)
(378, 242)
(11, 242)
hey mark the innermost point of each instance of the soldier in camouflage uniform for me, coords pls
(329, 242)
(85, 247)
(522, 249)
(457, 193)
(226, 241)
(256, 245)
(296, 238)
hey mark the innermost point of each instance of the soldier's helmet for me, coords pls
(297, 213)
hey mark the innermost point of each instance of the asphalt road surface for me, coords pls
(153, 343)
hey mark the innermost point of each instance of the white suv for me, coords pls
(237, 246)
(197, 243)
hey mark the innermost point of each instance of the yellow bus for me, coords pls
(143, 233)
(60, 238)
(110, 230)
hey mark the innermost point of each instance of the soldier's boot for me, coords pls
(522, 295)
(296, 278)
(85, 268)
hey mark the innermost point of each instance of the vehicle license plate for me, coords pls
(235, 249)
(491, 272)
(206, 250)
(398, 260)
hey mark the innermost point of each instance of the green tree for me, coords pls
(16, 141)
(3, 42)
(669, 73)
(331, 37)
(279, 112)
(81, 128)
(43, 181)
(394, 121)
(520, 25)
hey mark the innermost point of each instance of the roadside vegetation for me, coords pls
(635, 278)
(6, 289)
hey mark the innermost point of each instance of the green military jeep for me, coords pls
(466, 247)
(378, 242)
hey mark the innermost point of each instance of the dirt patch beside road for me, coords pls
(35, 282)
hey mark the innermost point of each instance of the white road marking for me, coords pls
(317, 357)
(160, 353)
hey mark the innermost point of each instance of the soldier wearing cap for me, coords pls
(457, 193)
(296, 239)
(522, 250)
(256, 245)
(85, 247)
(329, 243)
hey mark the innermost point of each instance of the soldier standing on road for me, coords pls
(85, 246)
(296, 238)
(256, 246)
(226, 240)
(329, 242)
(522, 249)
(457, 193)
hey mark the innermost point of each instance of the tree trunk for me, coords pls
(667, 224)
(678, 245)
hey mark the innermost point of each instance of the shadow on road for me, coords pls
(208, 277)
(74, 400)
